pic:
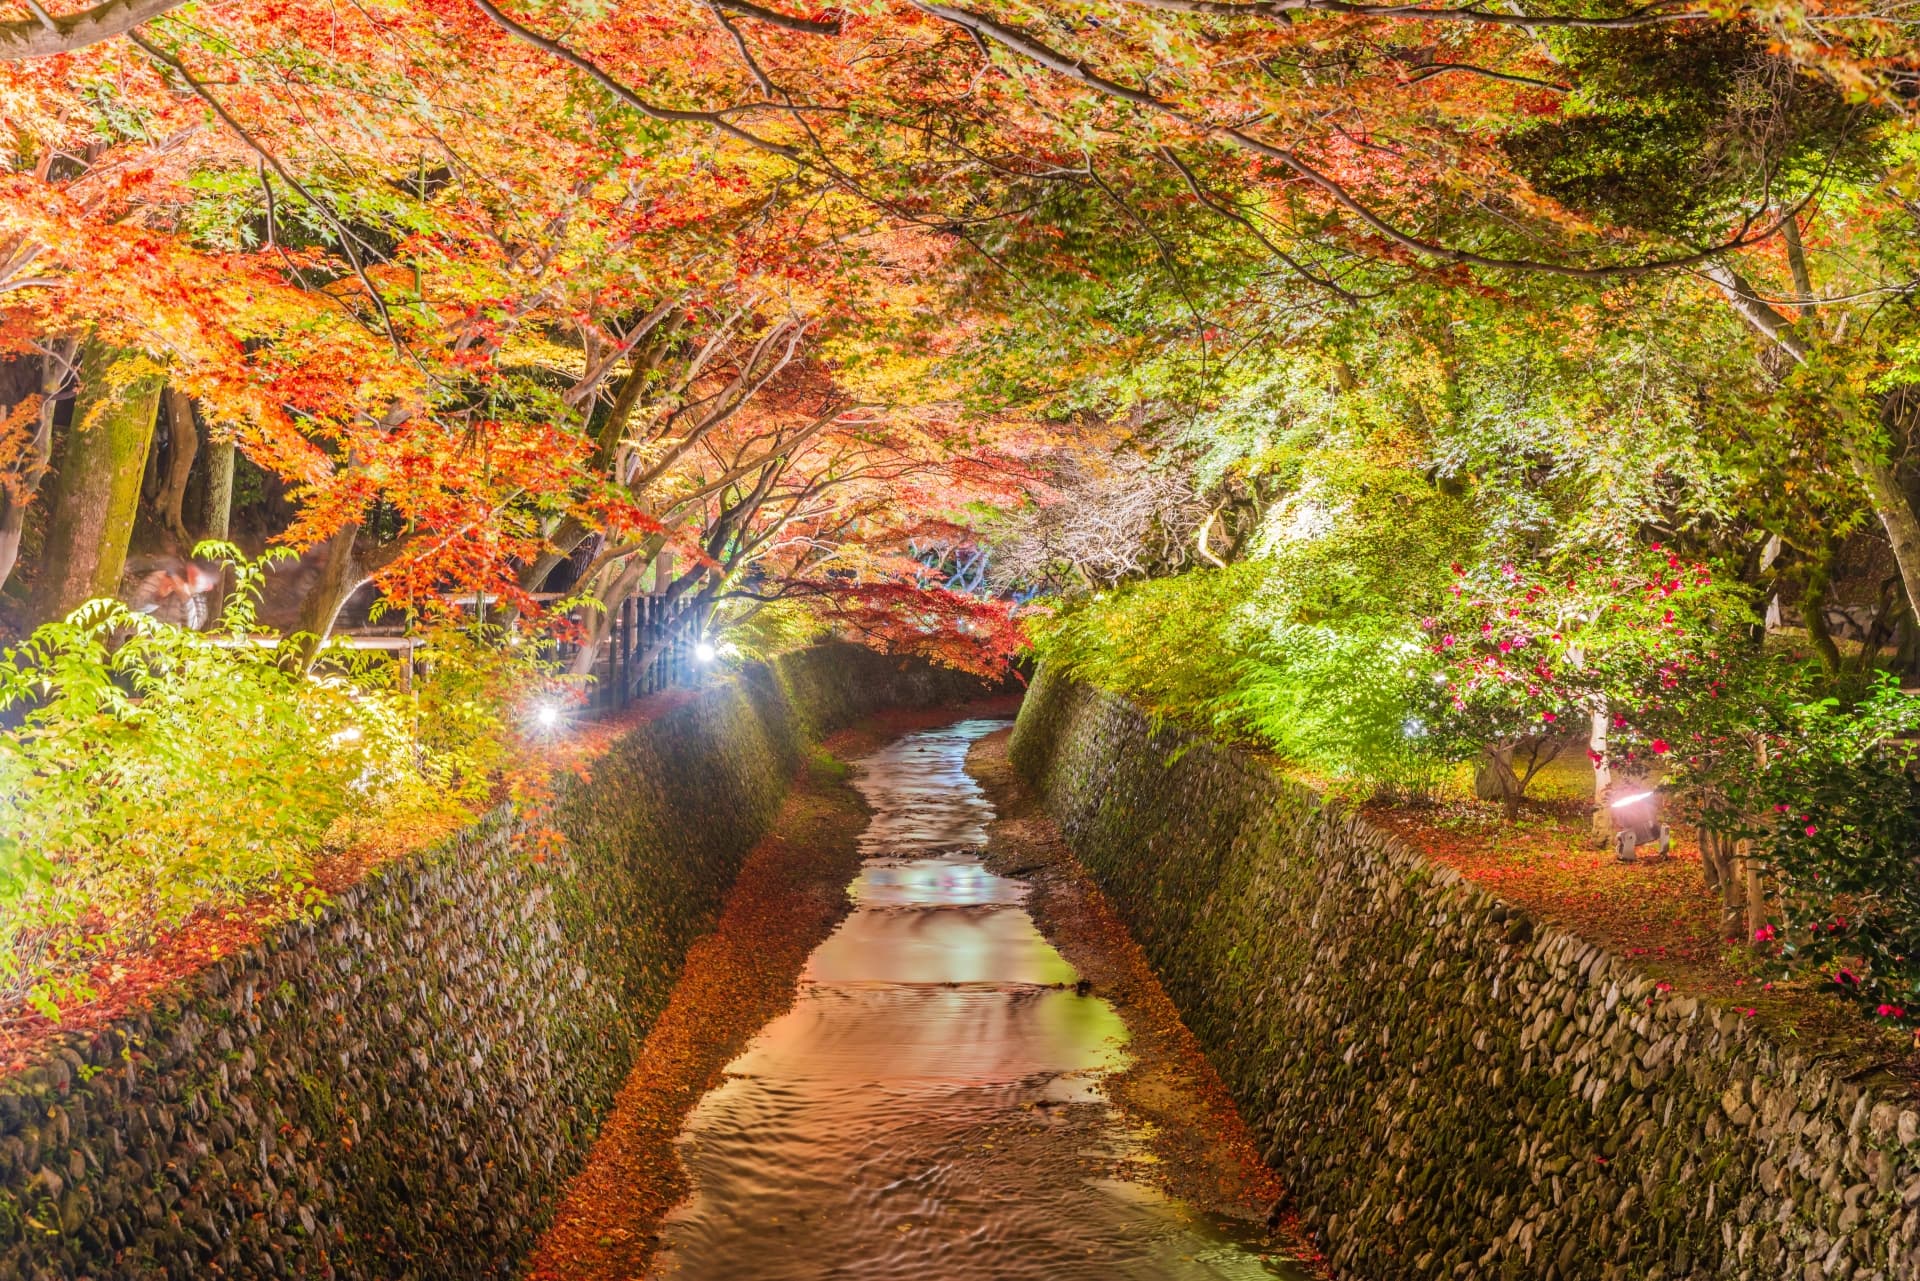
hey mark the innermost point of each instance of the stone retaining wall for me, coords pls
(398, 1088)
(1451, 1089)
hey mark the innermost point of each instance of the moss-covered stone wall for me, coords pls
(398, 1088)
(1450, 1088)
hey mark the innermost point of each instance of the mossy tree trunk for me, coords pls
(216, 516)
(97, 491)
(183, 443)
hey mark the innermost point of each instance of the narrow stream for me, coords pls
(931, 1107)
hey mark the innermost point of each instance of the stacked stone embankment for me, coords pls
(398, 1087)
(1451, 1088)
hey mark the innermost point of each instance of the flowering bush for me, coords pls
(150, 773)
(1521, 659)
(1827, 794)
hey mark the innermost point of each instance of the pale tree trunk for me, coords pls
(1890, 504)
(183, 442)
(1602, 778)
(1884, 492)
(599, 623)
(1495, 780)
(340, 576)
(97, 492)
(1719, 860)
(17, 497)
(562, 543)
(1744, 894)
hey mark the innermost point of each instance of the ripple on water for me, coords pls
(930, 1106)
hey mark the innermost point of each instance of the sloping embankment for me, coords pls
(398, 1088)
(1449, 1088)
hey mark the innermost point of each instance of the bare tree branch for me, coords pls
(1026, 46)
(712, 119)
(1431, 70)
(806, 26)
(318, 205)
(42, 37)
(1283, 10)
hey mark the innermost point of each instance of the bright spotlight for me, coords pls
(704, 652)
(547, 716)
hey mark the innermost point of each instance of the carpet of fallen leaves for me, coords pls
(1656, 913)
(1204, 1154)
(129, 978)
(791, 892)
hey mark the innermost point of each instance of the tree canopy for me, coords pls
(1394, 384)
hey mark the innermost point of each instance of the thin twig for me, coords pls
(319, 206)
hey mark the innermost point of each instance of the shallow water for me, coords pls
(931, 1108)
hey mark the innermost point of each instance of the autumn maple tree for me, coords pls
(892, 317)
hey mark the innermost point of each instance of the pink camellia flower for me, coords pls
(1780, 807)
(1548, 716)
(1447, 641)
(1891, 1012)
(1506, 647)
(1660, 747)
(1764, 934)
(1811, 829)
(1845, 978)
(1656, 546)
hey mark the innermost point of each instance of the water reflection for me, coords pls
(930, 1107)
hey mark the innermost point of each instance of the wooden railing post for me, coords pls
(626, 651)
(653, 641)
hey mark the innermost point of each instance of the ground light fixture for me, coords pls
(1638, 818)
(547, 717)
(704, 652)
